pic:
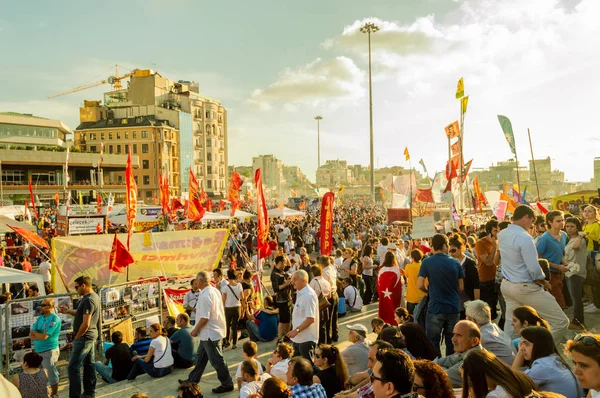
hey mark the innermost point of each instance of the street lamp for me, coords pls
(318, 119)
(369, 28)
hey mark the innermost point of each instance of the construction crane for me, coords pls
(114, 81)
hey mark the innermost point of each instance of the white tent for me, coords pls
(210, 216)
(285, 212)
(242, 215)
(10, 275)
(6, 221)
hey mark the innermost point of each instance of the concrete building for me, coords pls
(333, 173)
(597, 172)
(35, 147)
(297, 182)
(201, 122)
(155, 142)
(272, 175)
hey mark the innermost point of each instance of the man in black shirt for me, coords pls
(86, 327)
(281, 283)
(120, 357)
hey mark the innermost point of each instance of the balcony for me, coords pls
(198, 147)
(198, 161)
(221, 149)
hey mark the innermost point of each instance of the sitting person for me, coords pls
(544, 364)
(119, 356)
(584, 350)
(158, 362)
(416, 342)
(300, 379)
(466, 337)
(359, 385)
(377, 325)
(252, 377)
(249, 351)
(524, 316)
(356, 355)
(492, 337)
(273, 388)
(33, 381)
(485, 375)
(277, 365)
(393, 374)
(262, 323)
(401, 316)
(142, 342)
(333, 371)
(184, 346)
(169, 325)
(354, 302)
(189, 390)
(431, 381)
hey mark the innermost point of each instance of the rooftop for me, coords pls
(21, 115)
(123, 122)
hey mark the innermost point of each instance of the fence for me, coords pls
(17, 318)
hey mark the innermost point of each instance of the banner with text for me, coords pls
(423, 227)
(175, 253)
(174, 300)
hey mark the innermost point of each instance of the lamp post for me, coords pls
(369, 28)
(318, 119)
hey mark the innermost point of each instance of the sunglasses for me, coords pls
(453, 250)
(76, 287)
(44, 305)
(586, 339)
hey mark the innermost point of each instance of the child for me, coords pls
(249, 351)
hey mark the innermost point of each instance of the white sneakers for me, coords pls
(592, 309)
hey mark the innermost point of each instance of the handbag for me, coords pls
(323, 302)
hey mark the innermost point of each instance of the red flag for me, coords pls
(302, 205)
(389, 289)
(163, 183)
(176, 205)
(98, 228)
(234, 195)
(424, 195)
(119, 258)
(466, 169)
(31, 237)
(209, 205)
(130, 197)
(195, 211)
(222, 205)
(263, 217)
(541, 207)
(325, 230)
(99, 203)
(454, 148)
(203, 197)
(56, 198)
(448, 186)
(452, 168)
(32, 198)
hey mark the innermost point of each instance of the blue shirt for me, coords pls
(141, 347)
(551, 249)
(187, 345)
(313, 391)
(519, 259)
(51, 326)
(550, 374)
(443, 273)
(267, 325)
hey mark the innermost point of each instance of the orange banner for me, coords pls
(130, 197)
(263, 217)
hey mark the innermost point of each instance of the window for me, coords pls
(14, 177)
(110, 149)
(215, 184)
(119, 179)
(207, 114)
(214, 130)
(110, 136)
(145, 164)
(118, 135)
(207, 129)
(209, 156)
(146, 180)
(118, 148)
(126, 149)
(136, 181)
(92, 148)
(92, 136)
(209, 184)
(208, 142)
(144, 148)
(133, 135)
(144, 134)
(208, 170)
(134, 148)
(126, 135)
(148, 194)
(102, 136)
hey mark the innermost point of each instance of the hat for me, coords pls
(392, 246)
(358, 328)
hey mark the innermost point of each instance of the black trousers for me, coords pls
(331, 327)
(488, 294)
(232, 316)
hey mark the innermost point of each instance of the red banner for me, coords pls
(174, 300)
(57, 199)
(325, 231)
(263, 217)
(195, 211)
(234, 195)
(424, 195)
(99, 204)
(119, 258)
(222, 205)
(130, 197)
(32, 198)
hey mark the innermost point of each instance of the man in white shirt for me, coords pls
(210, 328)
(289, 245)
(190, 300)
(305, 316)
(251, 378)
(329, 273)
(45, 268)
(295, 256)
(354, 302)
(382, 249)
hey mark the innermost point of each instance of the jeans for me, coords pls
(488, 294)
(232, 316)
(181, 363)
(140, 367)
(331, 327)
(305, 350)
(253, 331)
(438, 324)
(212, 351)
(369, 288)
(105, 371)
(575, 284)
(49, 359)
(83, 353)
(410, 307)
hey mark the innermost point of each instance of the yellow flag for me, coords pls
(460, 88)
(406, 154)
(341, 189)
(464, 101)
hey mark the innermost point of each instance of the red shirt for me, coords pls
(27, 266)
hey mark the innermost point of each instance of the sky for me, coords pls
(275, 65)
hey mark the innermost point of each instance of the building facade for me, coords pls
(333, 173)
(272, 175)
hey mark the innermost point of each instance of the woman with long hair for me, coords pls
(275, 388)
(584, 350)
(591, 230)
(333, 371)
(416, 341)
(158, 362)
(524, 316)
(367, 274)
(401, 316)
(576, 253)
(389, 288)
(545, 365)
(431, 381)
(484, 375)
(469, 266)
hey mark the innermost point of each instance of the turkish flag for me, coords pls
(119, 258)
(389, 289)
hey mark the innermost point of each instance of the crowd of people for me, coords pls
(478, 309)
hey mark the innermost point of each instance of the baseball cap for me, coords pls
(358, 328)
(392, 246)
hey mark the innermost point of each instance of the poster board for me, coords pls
(423, 227)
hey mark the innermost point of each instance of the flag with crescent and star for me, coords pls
(389, 289)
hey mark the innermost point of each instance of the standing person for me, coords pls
(413, 293)
(281, 283)
(45, 271)
(446, 279)
(523, 281)
(575, 252)
(471, 290)
(232, 296)
(305, 317)
(86, 323)
(551, 246)
(321, 288)
(330, 275)
(591, 230)
(389, 288)
(367, 274)
(210, 328)
(44, 334)
(191, 298)
(488, 257)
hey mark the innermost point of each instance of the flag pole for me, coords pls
(410, 176)
(537, 186)
(518, 179)
(450, 165)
